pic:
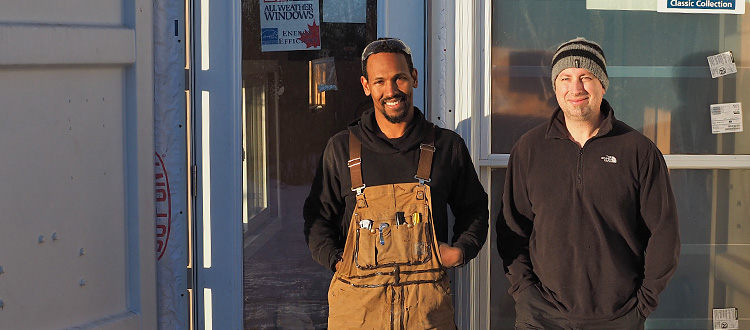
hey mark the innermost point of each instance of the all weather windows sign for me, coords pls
(702, 6)
(289, 25)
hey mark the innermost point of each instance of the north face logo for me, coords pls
(609, 159)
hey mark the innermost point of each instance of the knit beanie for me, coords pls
(580, 53)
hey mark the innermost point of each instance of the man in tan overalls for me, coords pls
(377, 210)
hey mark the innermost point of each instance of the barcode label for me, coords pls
(720, 59)
(722, 64)
(726, 318)
(726, 118)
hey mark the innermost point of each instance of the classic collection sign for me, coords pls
(702, 6)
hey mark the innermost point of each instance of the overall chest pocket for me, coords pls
(387, 243)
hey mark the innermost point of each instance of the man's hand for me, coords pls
(338, 265)
(451, 256)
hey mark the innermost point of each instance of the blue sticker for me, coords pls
(269, 36)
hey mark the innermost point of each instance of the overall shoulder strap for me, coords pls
(424, 169)
(355, 164)
(427, 150)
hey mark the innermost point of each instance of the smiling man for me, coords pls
(377, 213)
(391, 87)
(588, 231)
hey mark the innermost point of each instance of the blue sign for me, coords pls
(269, 36)
(702, 4)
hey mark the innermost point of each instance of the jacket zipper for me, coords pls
(580, 167)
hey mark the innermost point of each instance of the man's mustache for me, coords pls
(399, 96)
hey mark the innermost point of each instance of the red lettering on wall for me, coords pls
(163, 207)
(161, 195)
(161, 231)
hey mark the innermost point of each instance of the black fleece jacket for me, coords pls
(328, 208)
(596, 227)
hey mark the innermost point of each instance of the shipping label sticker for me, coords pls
(726, 318)
(722, 64)
(726, 118)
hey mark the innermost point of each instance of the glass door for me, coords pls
(296, 94)
(660, 84)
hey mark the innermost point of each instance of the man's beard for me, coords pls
(400, 116)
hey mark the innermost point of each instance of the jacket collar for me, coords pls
(366, 129)
(556, 128)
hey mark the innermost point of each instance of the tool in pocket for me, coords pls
(382, 227)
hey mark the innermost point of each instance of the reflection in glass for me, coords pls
(660, 82)
(255, 173)
(715, 259)
(293, 102)
(502, 305)
(716, 247)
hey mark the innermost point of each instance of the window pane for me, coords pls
(713, 206)
(660, 82)
(502, 305)
(294, 100)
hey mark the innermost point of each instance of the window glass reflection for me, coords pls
(294, 100)
(660, 82)
(714, 262)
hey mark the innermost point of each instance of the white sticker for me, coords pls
(649, 5)
(726, 118)
(726, 318)
(722, 64)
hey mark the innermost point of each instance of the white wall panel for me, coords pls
(77, 243)
(62, 138)
(75, 12)
(68, 45)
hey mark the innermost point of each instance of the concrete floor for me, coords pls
(283, 287)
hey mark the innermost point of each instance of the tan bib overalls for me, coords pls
(391, 276)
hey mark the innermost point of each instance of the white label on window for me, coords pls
(722, 64)
(726, 318)
(649, 5)
(726, 118)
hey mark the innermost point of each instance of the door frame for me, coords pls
(216, 112)
(478, 29)
(216, 147)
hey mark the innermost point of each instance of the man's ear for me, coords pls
(365, 86)
(414, 76)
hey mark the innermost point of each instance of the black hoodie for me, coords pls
(328, 208)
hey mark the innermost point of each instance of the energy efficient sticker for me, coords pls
(702, 6)
(726, 318)
(726, 118)
(289, 25)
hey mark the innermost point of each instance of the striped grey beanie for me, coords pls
(580, 53)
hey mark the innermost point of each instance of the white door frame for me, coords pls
(217, 146)
(216, 102)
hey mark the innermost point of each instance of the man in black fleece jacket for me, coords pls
(390, 135)
(588, 231)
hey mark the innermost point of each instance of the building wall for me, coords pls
(76, 138)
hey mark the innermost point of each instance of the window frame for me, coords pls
(466, 88)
